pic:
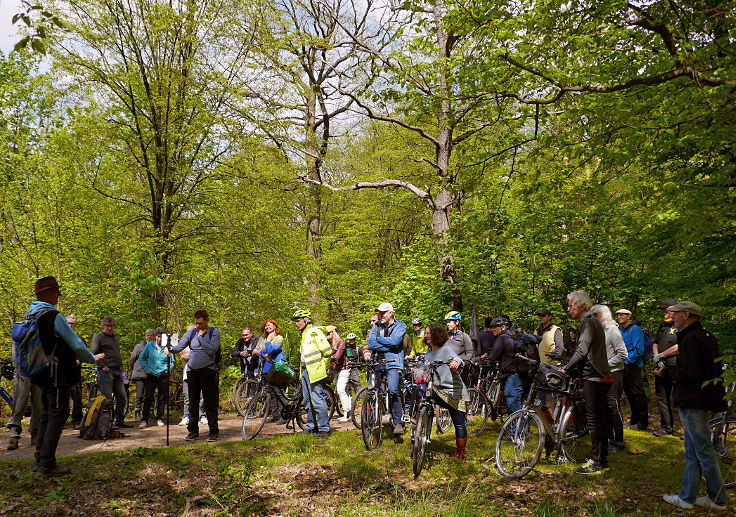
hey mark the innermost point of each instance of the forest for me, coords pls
(250, 157)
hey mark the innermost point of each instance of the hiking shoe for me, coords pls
(143, 424)
(616, 446)
(54, 471)
(76, 426)
(707, 502)
(398, 429)
(590, 468)
(213, 437)
(344, 419)
(160, 423)
(662, 432)
(675, 500)
(192, 436)
(203, 420)
(322, 434)
(184, 421)
(12, 443)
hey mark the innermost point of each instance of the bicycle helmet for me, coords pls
(351, 335)
(416, 321)
(301, 313)
(453, 315)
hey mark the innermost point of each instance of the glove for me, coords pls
(657, 358)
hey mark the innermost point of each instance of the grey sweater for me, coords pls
(445, 379)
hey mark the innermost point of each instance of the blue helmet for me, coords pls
(453, 315)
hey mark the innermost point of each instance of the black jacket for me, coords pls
(68, 371)
(696, 363)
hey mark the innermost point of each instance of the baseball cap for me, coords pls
(497, 322)
(544, 312)
(330, 328)
(666, 303)
(623, 311)
(686, 306)
(385, 306)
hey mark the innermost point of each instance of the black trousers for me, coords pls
(634, 389)
(663, 394)
(75, 392)
(159, 384)
(596, 410)
(53, 416)
(615, 421)
(204, 381)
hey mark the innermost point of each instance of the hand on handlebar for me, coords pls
(454, 365)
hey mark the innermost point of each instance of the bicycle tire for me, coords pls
(256, 414)
(477, 415)
(356, 406)
(497, 402)
(573, 435)
(723, 435)
(442, 419)
(422, 435)
(331, 404)
(519, 444)
(243, 392)
(371, 420)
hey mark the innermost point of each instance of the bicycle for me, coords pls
(245, 388)
(374, 401)
(486, 399)
(7, 371)
(723, 435)
(527, 431)
(422, 431)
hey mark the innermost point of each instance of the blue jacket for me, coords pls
(634, 340)
(391, 345)
(275, 351)
(153, 359)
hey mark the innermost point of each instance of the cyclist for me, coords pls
(339, 363)
(504, 351)
(418, 346)
(385, 341)
(271, 346)
(352, 352)
(448, 388)
(242, 351)
(315, 359)
(459, 340)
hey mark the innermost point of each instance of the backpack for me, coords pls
(29, 353)
(98, 419)
(648, 344)
(218, 353)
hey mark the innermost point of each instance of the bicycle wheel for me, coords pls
(443, 419)
(574, 437)
(331, 405)
(497, 402)
(243, 391)
(723, 434)
(370, 420)
(477, 415)
(422, 435)
(255, 415)
(357, 405)
(519, 444)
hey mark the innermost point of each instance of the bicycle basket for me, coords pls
(280, 375)
(550, 376)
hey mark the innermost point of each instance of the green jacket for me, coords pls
(315, 353)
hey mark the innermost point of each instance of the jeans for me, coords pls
(459, 419)
(23, 390)
(596, 410)
(513, 392)
(634, 388)
(700, 458)
(160, 385)
(663, 394)
(203, 381)
(53, 416)
(614, 420)
(315, 403)
(111, 382)
(393, 376)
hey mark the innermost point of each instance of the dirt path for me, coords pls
(151, 437)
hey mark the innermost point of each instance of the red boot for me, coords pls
(459, 449)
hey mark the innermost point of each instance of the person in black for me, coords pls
(243, 352)
(202, 377)
(591, 351)
(665, 361)
(61, 342)
(486, 339)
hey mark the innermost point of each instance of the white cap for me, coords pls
(623, 311)
(385, 306)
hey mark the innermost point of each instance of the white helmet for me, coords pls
(351, 336)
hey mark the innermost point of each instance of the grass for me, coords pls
(300, 475)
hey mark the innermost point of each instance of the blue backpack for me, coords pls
(29, 354)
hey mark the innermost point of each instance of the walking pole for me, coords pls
(168, 385)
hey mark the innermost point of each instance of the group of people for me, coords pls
(607, 355)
